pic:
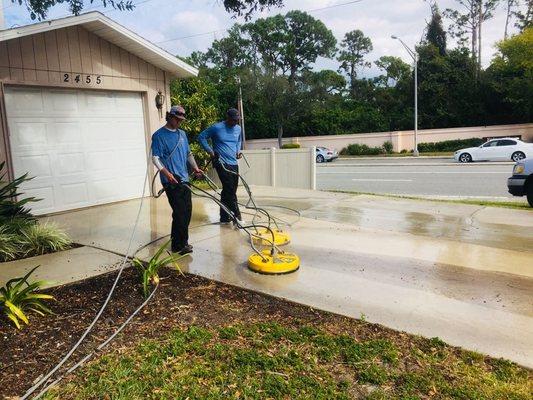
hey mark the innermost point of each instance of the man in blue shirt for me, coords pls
(171, 154)
(226, 142)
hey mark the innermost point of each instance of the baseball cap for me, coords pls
(177, 111)
(233, 114)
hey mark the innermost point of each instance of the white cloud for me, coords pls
(160, 21)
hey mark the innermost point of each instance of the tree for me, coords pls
(290, 44)
(510, 77)
(308, 39)
(38, 9)
(510, 7)
(395, 70)
(435, 33)
(524, 18)
(248, 7)
(355, 46)
(469, 23)
(230, 52)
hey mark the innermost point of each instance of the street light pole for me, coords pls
(415, 150)
(414, 56)
(241, 111)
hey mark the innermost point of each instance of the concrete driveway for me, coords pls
(462, 273)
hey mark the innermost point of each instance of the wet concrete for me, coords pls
(414, 270)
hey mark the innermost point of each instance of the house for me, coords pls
(78, 106)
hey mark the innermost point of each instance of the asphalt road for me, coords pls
(432, 177)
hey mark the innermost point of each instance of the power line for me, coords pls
(334, 5)
(191, 36)
(223, 29)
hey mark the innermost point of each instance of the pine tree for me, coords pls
(435, 33)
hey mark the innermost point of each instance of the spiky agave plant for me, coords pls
(150, 270)
(10, 206)
(19, 296)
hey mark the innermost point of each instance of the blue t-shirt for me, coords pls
(226, 141)
(163, 143)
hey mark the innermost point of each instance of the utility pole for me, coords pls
(414, 56)
(241, 111)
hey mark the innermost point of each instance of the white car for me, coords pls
(503, 149)
(324, 154)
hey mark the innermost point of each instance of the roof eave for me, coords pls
(171, 64)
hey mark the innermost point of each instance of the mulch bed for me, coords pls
(180, 302)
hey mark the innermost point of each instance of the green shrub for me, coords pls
(8, 245)
(449, 145)
(404, 151)
(357, 149)
(150, 271)
(37, 239)
(291, 146)
(19, 296)
(388, 147)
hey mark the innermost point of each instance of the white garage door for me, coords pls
(83, 147)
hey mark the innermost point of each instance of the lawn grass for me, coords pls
(484, 203)
(274, 361)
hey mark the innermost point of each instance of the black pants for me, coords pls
(179, 198)
(228, 196)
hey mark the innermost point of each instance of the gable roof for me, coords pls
(113, 32)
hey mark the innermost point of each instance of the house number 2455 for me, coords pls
(87, 79)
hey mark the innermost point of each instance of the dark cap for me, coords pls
(177, 111)
(233, 114)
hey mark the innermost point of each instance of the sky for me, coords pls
(184, 26)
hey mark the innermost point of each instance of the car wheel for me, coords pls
(465, 158)
(518, 156)
(529, 192)
(320, 158)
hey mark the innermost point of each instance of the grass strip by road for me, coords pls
(428, 154)
(483, 203)
(268, 360)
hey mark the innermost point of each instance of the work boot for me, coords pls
(185, 250)
(239, 222)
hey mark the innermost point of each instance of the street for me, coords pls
(432, 177)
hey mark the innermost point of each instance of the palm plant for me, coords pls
(9, 191)
(150, 270)
(16, 299)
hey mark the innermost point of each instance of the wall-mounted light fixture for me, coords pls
(160, 102)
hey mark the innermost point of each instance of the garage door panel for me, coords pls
(62, 102)
(64, 133)
(74, 194)
(46, 194)
(79, 158)
(102, 103)
(106, 190)
(129, 160)
(27, 134)
(70, 164)
(22, 101)
(38, 166)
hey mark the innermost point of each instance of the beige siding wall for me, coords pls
(56, 58)
(402, 139)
